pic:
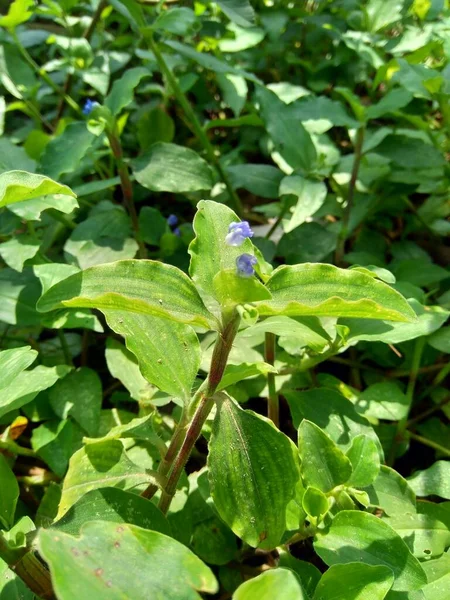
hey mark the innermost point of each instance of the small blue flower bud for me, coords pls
(172, 220)
(238, 233)
(244, 264)
(89, 106)
(177, 231)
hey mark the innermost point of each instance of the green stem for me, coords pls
(205, 403)
(429, 443)
(284, 210)
(127, 187)
(426, 413)
(43, 75)
(11, 446)
(65, 347)
(273, 400)
(195, 125)
(343, 234)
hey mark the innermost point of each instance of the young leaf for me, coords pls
(172, 168)
(324, 465)
(365, 459)
(392, 493)
(143, 287)
(18, 186)
(177, 21)
(239, 11)
(315, 503)
(275, 583)
(434, 481)
(122, 91)
(360, 537)
(112, 562)
(354, 581)
(18, 12)
(9, 495)
(13, 362)
(325, 290)
(252, 466)
(104, 464)
(113, 505)
(168, 353)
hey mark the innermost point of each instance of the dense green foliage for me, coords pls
(224, 288)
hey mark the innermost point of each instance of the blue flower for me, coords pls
(172, 220)
(89, 106)
(238, 233)
(177, 231)
(244, 264)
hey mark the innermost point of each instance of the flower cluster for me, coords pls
(89, 106)
(238, 233)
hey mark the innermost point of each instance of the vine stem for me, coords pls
(430, 443)
(273, 400)
(201, 406)
(126, 185)
(340, 248)
(11, 446)
(195, 125)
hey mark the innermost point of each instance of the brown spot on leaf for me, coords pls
(116, 544)
(98, 572)
(262, 536)
(75, 552)
(120, 529)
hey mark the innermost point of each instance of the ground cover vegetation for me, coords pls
(224, 288)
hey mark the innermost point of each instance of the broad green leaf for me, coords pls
(275, 583)
(209, 252)
(235, 373)
(154, 126)
(287, 133)
(234, 91)
(152, 225)
(168, 353)
(54, 441)
(434, 481)
(251, 466)
(325, 290)
(122, 92)
(239, 11)
(392, 493)
(308, 574)
(12, 586)
(440, 340)
(307, 243)
(16, 251)
(320, 113)
(123, 365)
(261, 180)
(123, 562)
(18, 186)
(314, 503)
(383, 400)
(9, 495)
(324, 465)
(64, 153)
(132, 12)
(365, 459)
(310, 197)
(172, 168)
(177, 21)
(26, 386)
(354, 581)
(140, 428)
(232, 289)
(115, 505)
(13, 362)
(100, 465)
(79, 395)
(19, 293)
(139, 286)
(31, 210)
(393, 101)
(382, 13)
(438, 573)
(18, 12)
(361, 537)
(333, 413)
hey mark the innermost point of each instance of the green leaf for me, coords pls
(307, 243)
(325, 290)
(16, 251)
(176, 20)
(383, 400)
(122, 92)
(18, 186)
(360, 537)
(154, 126)
(333, 413)
(209, 252)
(17, 13)
(440, 340)
(235, 373)
(168, 353)
(64, 153)
(391, 492)
(252, 465)
(123, 365)
(31, 210)
(308, 574)
(104, 464)
(114, 505)
(434, 481)
(9, 495)
(275, 583)
(79, 395)
(13, 362)
(320, 113)
(393, 101)
(234, 92)
(324, 465)
(232, 289)
(138, 286)
(110, 561)
(438, 573)
(53, 441)
(289, 136)
(382, 13)
(12, 586)
(172, 168)
(365, 459)
(132, 11)
(261, 180)
(314, 503)
(26, 386)
(310, 197)
(239, 11)
(354, 581)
